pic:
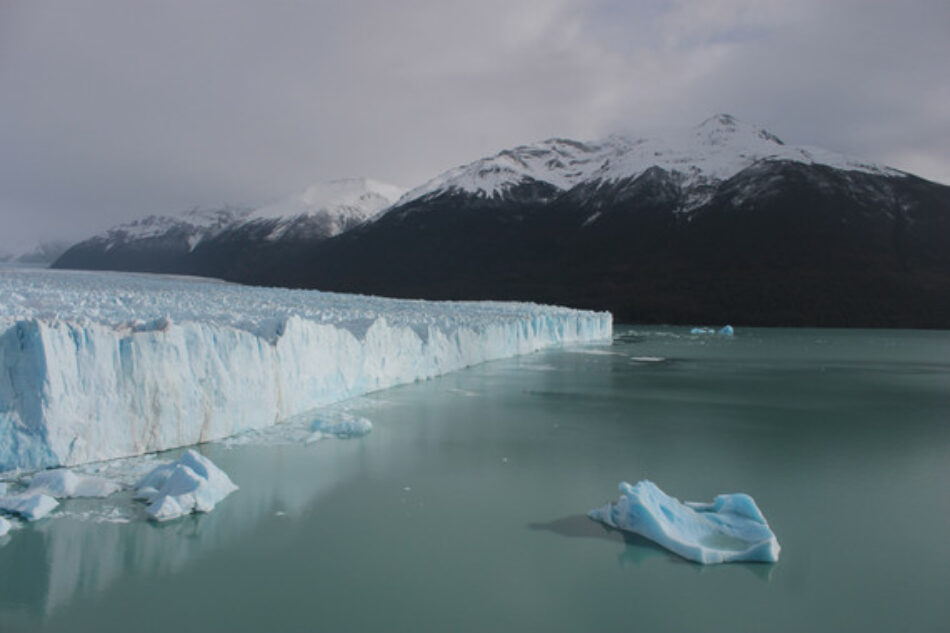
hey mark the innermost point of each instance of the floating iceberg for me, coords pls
(63, 483)
(726, 330)
(191, 484)
(96, 366)
(29, 506)
(729, 529)
(340, 429)
(4, 527)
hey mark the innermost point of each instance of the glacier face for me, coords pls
(96, 366)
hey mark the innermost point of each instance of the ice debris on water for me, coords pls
(346, 428)
(726, 330)
(193, 483)
(64, 483)
(730, 529)
(4, 527)
(28, 506)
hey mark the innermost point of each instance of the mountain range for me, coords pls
(718, 223)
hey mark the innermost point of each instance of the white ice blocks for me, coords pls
(730, 529)
(191, 484)
(96, 366)
(63, 483)
(341, 429)
(4, 527)
(28, 505)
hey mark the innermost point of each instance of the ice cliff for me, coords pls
(96, 366)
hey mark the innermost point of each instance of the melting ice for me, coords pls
(731, 528)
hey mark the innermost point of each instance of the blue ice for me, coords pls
(730, 529)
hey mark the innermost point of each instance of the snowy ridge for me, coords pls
(709, 153)
(338, 205)
(330, 208)
(97, 366)
(199, 222)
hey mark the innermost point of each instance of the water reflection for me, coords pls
(80, 554)
(637, 550)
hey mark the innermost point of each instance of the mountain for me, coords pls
(42, 254)
(719, 223)
(197, 241)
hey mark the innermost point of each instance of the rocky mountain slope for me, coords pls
(718, 223)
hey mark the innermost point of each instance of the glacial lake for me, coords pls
(464, 509)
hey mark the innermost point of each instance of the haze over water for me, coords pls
(464, 509)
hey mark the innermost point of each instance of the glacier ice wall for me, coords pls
(96, 366)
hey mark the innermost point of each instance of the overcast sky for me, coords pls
(112, 110)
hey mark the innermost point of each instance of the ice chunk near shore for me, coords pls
(4, 527)
(340, 429)
(63, 483)
(729, 529)
(191, 484)
(29, 506)
(726, 330)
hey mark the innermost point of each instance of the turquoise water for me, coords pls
(464, 509)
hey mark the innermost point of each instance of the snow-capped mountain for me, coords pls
(334, 206)
(178, 243)
(43, 254)
(718, 223)
(715, 150)
(192, 226)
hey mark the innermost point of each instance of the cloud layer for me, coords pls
(111, 110)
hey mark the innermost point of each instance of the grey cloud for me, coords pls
(111, 110)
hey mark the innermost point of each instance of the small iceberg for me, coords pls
(31, 507)
(726, 330)
(64, 483)
(4, 527)
(340, 429)
(729, 529)
(191, 484)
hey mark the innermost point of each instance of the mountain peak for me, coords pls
(720, 127)
(715, 150)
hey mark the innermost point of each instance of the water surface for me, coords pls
(464, 509)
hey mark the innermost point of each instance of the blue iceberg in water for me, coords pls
(729, 529)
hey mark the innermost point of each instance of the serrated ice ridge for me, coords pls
(96, 366)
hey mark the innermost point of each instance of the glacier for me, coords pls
(97, 366)
(730, 529)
